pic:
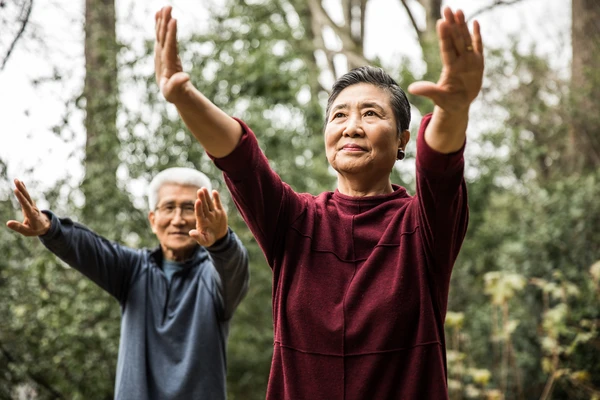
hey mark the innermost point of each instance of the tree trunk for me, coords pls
(585, 85)
(101, 95)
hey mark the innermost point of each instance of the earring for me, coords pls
(400, 155)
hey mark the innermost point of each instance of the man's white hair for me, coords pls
(178, 176)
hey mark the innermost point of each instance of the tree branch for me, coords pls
(489, 7)
(412, 20)
(24, 22)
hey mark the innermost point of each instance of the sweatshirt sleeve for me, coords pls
(266, 203)
(442, 203)
(230, 259)
(108, 264)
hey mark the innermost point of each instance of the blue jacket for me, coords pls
(173, 336)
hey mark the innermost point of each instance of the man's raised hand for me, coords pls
(35, 222)
(211, 218)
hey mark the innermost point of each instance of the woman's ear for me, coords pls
(404, 138)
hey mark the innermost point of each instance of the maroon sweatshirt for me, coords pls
(360, 284)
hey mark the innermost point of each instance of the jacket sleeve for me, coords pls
(230, 259)
(442, 204)
(108, 264)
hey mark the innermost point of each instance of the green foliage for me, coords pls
(525, 293)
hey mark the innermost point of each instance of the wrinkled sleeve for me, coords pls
(108, 264)
(265, 202)
(230, 259)
(441, 202)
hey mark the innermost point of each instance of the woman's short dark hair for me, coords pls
(378, 77)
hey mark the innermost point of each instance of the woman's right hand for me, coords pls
(173, 82)
(35, 222)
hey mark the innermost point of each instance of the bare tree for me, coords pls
(585, 84)
(14, 15)
(101, 105)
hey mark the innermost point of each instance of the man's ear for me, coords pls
(151, 219)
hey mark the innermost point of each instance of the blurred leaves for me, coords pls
(525, 292)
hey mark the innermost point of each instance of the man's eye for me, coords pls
(169, 207)
(188, 208)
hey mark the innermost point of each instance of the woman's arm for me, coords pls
(458, 85)
(218, 133)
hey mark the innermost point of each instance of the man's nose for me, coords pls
(178, 217)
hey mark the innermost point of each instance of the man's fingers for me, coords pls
(217, 200)
(207, 201)
(199, 209)
(28, 208)
(19, 227)
(21, 186)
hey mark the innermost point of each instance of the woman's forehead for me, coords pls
(362, 94)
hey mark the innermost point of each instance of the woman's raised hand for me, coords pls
(171, 79)
(462, 65)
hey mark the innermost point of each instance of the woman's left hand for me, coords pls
(462, 65)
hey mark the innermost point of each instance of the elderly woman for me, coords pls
(360, 275)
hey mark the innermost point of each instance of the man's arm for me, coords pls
(218, 133)
(107, 264)
(230, 259)
(459, 83)
(229, 256)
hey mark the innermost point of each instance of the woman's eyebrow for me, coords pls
(339, 107)
(370, 104)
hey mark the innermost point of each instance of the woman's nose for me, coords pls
(353, 127)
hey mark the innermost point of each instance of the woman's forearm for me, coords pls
(446, 132)
(216, 131)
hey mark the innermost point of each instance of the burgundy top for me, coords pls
(360, 284)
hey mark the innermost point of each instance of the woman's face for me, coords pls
(361, 139)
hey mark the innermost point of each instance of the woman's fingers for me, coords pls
(477, 41)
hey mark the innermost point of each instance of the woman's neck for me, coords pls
(360, 188)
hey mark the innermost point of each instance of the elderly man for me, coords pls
(176, 300)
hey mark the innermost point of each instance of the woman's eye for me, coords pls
(370, 113)
(338, 115)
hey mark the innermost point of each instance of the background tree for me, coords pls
(585, 85)
(516, 327)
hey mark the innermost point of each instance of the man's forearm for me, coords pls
(216, 131)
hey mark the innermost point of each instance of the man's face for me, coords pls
(172, 220)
